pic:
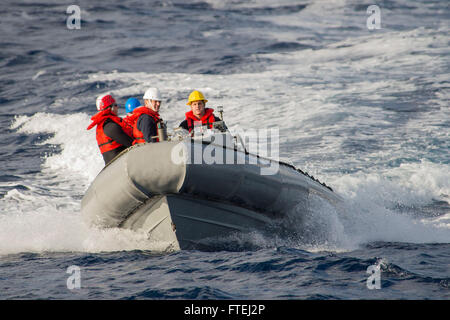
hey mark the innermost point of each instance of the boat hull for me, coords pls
(181, 222)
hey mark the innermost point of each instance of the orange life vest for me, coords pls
(207, 119)
(133, 119)
(104, 142)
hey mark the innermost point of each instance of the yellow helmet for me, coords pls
(195, 96)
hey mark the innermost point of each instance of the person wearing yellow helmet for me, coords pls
(199, 114)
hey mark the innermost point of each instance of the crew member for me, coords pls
(145, 119)
(199, 114)
(113, 134)
(130, 105)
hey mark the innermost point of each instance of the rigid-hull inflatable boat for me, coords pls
(181, 200)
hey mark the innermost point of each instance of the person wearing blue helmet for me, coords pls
(131, 104)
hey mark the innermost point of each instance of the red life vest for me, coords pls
(207, 119)
(129, 121)
(133, 119)
(104, 142)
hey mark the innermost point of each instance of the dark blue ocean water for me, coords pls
(364, 110)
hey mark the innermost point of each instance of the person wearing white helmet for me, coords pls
(145, 119)
(152, 99)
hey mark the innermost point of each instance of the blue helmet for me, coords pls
(131, 104)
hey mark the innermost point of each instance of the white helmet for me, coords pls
(152, 94)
